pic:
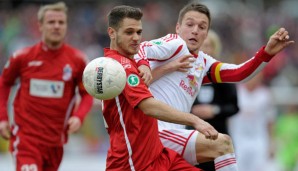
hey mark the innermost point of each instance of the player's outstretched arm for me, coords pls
(4, 124)
(164, 112)
(278, 41)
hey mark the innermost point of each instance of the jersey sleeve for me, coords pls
(4, 94)
(11, 72)
(135, 90)
(160, 49)
(219, 72)
(86, 101)
(13, 67)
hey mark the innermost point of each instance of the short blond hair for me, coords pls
(59, 6)
(215, 41)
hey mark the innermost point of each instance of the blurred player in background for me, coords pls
(49, 75)
(130, 118)
(252, 128)
(170, 54)
(215, 102)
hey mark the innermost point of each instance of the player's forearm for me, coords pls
(162, 111)
(160, 71)
(84, 107)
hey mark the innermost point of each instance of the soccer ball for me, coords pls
(104, 78)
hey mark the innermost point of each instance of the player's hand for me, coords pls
(205, 128)
(278, 41)
(74, 124)
(145, 73)
(183, 63)
(4, 130)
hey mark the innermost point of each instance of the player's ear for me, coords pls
(40, 26)
(177, 28)
(112, 32)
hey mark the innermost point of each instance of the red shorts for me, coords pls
(169, 160)
(30, 156)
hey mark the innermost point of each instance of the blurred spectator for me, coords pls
(251, 129)
(286, 134)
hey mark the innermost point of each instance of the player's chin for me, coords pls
(193, 48)
(134, 50)
(56, 40)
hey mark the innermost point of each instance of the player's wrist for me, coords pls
(196, 122)
(263, 55)
(143, 62)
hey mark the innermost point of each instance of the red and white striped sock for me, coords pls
(226, 162)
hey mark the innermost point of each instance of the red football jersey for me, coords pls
(134, 140)
(46, 97)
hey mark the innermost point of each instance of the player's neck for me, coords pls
(194, 53)
(113, 46)
(53, 45)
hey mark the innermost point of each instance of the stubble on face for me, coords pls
(128, 37)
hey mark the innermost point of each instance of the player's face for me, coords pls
(53, 27)
(128, 37)
(193, 30)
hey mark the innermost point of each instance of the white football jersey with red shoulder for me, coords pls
(179, 89)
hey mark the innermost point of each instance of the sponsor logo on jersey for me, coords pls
(157, 42)
(191, 85)
(67, 72)
(188, 88)
(192, 80)
(34, 63)
(194, 74)
(133, 80)
(55, 88)
(46, 88)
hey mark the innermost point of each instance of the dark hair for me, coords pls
(194, 7)
(118, 13)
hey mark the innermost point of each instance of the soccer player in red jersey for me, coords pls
(49, 75)
(131, 117)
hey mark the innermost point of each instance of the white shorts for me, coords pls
(182, 141)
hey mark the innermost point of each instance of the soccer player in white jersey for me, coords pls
(170, 54)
